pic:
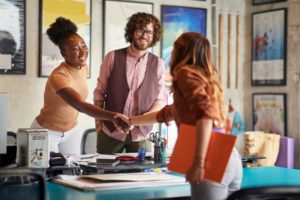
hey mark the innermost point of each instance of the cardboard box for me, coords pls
(33, 148)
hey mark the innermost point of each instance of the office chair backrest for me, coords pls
(11, 150)
(18, 184)
(11, 138)
(89, 141)
(267, 193)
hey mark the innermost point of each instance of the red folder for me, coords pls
(218, 153)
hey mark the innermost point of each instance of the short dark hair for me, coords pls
(60, 30)
(139, 21)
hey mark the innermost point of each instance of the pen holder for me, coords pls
(159, 152)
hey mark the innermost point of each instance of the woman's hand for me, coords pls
(195, 174)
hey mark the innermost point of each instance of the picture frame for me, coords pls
(13, 37)
(269, 42)
(79, 12)
(260, 2)
(270, 113)
(116, 14)
(177, 20)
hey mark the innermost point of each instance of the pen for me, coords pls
(88, 157)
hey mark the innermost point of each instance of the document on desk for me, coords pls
(120, 180)
(218, 153)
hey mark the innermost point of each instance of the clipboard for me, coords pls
(218, 153)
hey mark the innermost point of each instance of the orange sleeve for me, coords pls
(165, 115)
(59, 80)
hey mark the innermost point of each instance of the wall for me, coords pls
(293, 70)
(26, 91)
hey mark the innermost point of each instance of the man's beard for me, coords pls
(141, 47)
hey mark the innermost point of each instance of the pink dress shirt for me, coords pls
(135, 72)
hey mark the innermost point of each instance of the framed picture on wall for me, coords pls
(177, 20)
(270, 113)
(78, 12)
(269, 34)
(259, 2)
(12, 37)
(116, 14)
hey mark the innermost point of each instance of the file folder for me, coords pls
(218, 153)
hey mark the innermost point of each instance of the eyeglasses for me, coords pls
(142, 32)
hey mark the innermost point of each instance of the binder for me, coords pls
(218, 153)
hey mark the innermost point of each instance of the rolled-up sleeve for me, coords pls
(165, 115)
(105, 70)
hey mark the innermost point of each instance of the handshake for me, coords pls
(122, 123)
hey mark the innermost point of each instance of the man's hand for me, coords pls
(121, 122)
(98, 125)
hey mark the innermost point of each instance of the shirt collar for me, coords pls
(133, 54)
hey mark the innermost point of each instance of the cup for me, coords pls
(142, 154)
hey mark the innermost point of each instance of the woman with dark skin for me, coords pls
(66, 91)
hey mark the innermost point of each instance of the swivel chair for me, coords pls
(18, 184)
(89, 141)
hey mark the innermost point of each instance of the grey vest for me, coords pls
(117, 87)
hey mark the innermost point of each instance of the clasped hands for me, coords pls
(122, 123)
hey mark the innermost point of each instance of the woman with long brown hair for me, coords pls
(198, 101)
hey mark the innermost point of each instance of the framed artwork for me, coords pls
(78, 12)
(269, 34)
(177, 20)
(270, 113)
(259, 2)
(12, 37)
(116, 14)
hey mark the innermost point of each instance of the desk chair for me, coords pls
(267, 193)
(18, 184)
(89, 141)
(11, 138)
(11, 151)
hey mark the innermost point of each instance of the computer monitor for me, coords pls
(3, 121)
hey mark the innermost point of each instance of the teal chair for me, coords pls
(16, 184)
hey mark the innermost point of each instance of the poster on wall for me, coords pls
(177, 20)
(269, 113)
(260, 2)
(12, 37)
(79, 12)
(116, 14)
(269, 48)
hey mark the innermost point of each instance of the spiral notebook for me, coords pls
(218, 153)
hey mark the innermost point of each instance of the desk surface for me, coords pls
(252, 177)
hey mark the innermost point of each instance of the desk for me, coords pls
(270, 176)
(252, 177)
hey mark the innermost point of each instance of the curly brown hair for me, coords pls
(139, 21)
